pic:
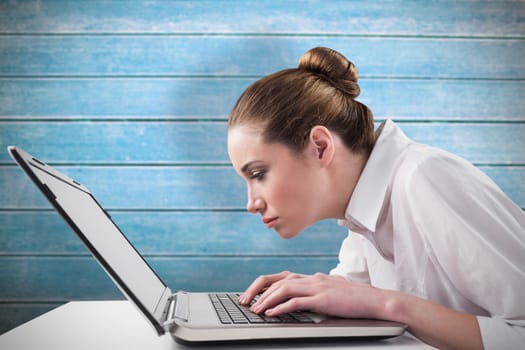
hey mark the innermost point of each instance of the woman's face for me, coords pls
(281, 185)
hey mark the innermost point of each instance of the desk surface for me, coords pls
(118, 325)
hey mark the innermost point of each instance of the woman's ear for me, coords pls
(322, 142)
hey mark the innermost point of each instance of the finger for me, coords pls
(291, 305)
(281, 292)
(260, 284)
(269, 291)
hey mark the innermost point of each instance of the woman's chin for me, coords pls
(286, 233)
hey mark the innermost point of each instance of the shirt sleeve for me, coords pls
(476, 235)
(352, 261)
(498, 334)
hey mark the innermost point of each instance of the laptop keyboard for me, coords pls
(230, 311)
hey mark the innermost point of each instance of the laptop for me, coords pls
(190, 318)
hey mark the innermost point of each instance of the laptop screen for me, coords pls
(104, 235)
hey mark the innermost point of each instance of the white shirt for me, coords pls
(428, 223)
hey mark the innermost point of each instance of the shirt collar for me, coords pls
(369, 194)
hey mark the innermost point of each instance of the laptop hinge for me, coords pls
(178, 308)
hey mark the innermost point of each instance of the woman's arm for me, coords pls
(434, 324)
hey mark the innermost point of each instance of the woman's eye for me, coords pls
(257, 175)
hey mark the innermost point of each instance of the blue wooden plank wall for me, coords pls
(131, 98)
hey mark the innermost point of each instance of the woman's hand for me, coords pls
(263, 282)
(286, 292)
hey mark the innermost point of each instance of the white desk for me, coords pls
(118, 325)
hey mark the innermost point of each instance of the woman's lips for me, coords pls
(270, 222)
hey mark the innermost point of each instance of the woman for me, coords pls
(433, 242)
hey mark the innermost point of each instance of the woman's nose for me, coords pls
(254, 205)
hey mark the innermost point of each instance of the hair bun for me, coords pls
(333, 66)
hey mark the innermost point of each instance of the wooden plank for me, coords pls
(178, 187)
(443, 99)
(169, 142)
(57, 279)
(14, 314)
(120, 142)
(169, 233)
(151, 98)
(184, 187)
(256, 56)
(212, 98)
(473, 18)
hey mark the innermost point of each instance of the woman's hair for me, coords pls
(320, 91)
